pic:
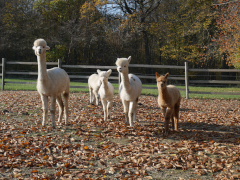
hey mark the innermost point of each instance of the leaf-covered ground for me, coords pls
(205, 147)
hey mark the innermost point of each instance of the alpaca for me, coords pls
(129, 89)
(106, 93)
(94, 84)
(52, 82)
(169, 99)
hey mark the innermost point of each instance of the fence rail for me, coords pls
(185, 77)
(214, 70)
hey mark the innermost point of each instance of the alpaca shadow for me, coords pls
(203, 131)
(148, 107)
(198, 132)
(187, 110)
(157, 107)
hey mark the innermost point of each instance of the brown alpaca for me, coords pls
(169, 99)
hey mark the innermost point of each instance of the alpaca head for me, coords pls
(103, 75)
(40, 47)
(161, 80)
(122, 64)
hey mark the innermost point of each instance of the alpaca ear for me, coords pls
(109, 72)
(98, 71)
(129, 59)
(116, 61)
(33, 47)
(47, 47)
(166, 75)
(157, 75)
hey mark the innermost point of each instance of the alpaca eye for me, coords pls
(124, 66)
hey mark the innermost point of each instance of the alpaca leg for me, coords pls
(96, 97)
(109, 108)
(167, 119)
(135, 110)
(91, 95)
(104, 103)
(53, 109)
(126, 109)
(60, 105)
(66, 97)
(131, 112)
(45, 109)
(176, 116)
(163, 109)
(172, 119)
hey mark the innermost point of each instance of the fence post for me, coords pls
(3, 72)
(186, 79)
(59, 63)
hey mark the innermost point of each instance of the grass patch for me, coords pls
(152, 92)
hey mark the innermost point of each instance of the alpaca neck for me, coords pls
(105, 85)
(125, 80)
(163, 93)
(42, 68)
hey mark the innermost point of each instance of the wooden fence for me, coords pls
(185, 78)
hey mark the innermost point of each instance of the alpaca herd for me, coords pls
(55, 82)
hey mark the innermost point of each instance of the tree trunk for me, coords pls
(147, 54)
(146, 45)
(224, 66)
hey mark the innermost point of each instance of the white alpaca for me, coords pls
(52, 82)
(129, 89)
(106, 93)
(94, 84)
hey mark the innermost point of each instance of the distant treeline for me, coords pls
(96, 32)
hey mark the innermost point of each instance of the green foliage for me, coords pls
(98, 32)
(228, 36)
(188, 25)
(58, 52)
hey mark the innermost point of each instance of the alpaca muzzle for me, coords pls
(119, 69)
(38, 50)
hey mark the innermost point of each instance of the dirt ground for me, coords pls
(206, 146)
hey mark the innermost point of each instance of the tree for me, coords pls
(186, 29)
(228, 36)
(137, 18)
(79, 28)
(20, 24)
